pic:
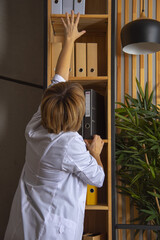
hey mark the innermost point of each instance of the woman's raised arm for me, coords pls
(71, 34)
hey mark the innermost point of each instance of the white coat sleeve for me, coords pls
(80, 162)
(35, 121)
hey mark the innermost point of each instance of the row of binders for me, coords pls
(63, 6)
(84, 60)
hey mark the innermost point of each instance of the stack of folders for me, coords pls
(94, 120)
(86, 59)
(83, 59)
(63, 6)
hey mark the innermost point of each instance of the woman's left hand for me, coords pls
(71, 27)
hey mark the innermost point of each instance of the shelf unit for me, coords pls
(97, 23)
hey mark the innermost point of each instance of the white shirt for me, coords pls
(49, 203)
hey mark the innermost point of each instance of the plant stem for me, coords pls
(157, 201)
(146, 157)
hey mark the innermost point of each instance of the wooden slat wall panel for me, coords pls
(145, 69)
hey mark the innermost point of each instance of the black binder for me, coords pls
(94, 119)
(81, 130)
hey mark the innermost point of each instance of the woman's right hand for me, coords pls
(71, 27)
(96, 146)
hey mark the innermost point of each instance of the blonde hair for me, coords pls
(63, 107)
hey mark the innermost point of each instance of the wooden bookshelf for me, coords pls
(97, 23)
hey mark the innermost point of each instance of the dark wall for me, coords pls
(21, 58)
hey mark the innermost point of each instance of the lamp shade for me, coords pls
(141, 36)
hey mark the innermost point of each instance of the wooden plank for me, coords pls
(150, 8)
(142, 71)
(128, 218)
(49, 74)
(119, 5)
(145, 236)
(142, 62)
(134, 60)
(96, 207)
(109, 171)
(119, 14)
(126, 56)
(96, 7)
(135, 216)
(153, 235)
(158, 62)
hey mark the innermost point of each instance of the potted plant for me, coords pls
(138, 154)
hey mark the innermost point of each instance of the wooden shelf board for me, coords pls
(88, 81)
(96, 207)
(89, 22)
(98, 78)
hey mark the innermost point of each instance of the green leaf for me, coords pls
(139, 100)
(146, 92)
(151, 218)
(154, 194)
(151, 212)
(139, 88)
(127, 102)
(139, 175)
(133, 100)
(130, 115)
(122, 117)
(150, 99)
(137, 119)
(152, 171)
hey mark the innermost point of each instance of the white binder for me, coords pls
(56, 6)
(67, 6)
(79, 6)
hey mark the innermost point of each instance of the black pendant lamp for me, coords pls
(141, 36)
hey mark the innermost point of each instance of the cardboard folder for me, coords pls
(91, 195)
(92, 59)
(79, 6)
(56, 49)
(67, 6)
(80, 59)
(56, 7)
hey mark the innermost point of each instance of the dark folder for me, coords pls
(81, 130)
(94, 119)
